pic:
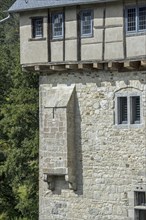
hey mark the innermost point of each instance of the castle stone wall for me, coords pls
(109, 159)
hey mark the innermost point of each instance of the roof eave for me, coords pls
(61, 5)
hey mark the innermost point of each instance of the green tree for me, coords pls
(18, 129)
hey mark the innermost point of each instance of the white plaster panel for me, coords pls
(114, 51)
(114, 14)
(97, 38)
(91, 52)
(34, 52)
(57, 51)
(71, 23)
(71, 50)
(98, 16)
(29, 49)
(114, 34)
(136, 49)
(71, 29)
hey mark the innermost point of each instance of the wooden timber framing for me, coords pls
(78, 33)
(121, 66)
(64, 35)
(49, 36)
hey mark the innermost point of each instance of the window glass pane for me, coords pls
(37, 27)
(131, 19)
(135, 111)
(123, 116)
(86, 23)
(142, 18)
(57, 25)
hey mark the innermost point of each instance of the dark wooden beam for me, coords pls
(104, 29)
(64, 30)
(124, 33)
(49, 36)
(78, 34)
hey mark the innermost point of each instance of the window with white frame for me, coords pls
(136, 19)
(86, 23)
(37, 27)
(128, 109)
(57, 25)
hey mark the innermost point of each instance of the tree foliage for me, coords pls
(18, 128)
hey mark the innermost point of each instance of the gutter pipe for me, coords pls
(3, 20)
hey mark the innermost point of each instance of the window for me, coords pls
(136, 19)
(140, 204)
(128, 110)
(57, 25)
(86, 23)
(37, 27)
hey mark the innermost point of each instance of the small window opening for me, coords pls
(128, 110)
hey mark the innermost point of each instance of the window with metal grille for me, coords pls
(37, 27)
(86, 23)
(128, 110)
(57, 25)
(136, 19)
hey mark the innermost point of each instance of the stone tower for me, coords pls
(91, 56)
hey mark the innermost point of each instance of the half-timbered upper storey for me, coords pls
(73, 33)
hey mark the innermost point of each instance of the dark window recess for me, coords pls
(140, 214)
(37, 27)
(140, 198)
(135, 111)
(123, 119)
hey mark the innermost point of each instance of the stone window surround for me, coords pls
(128, 95)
